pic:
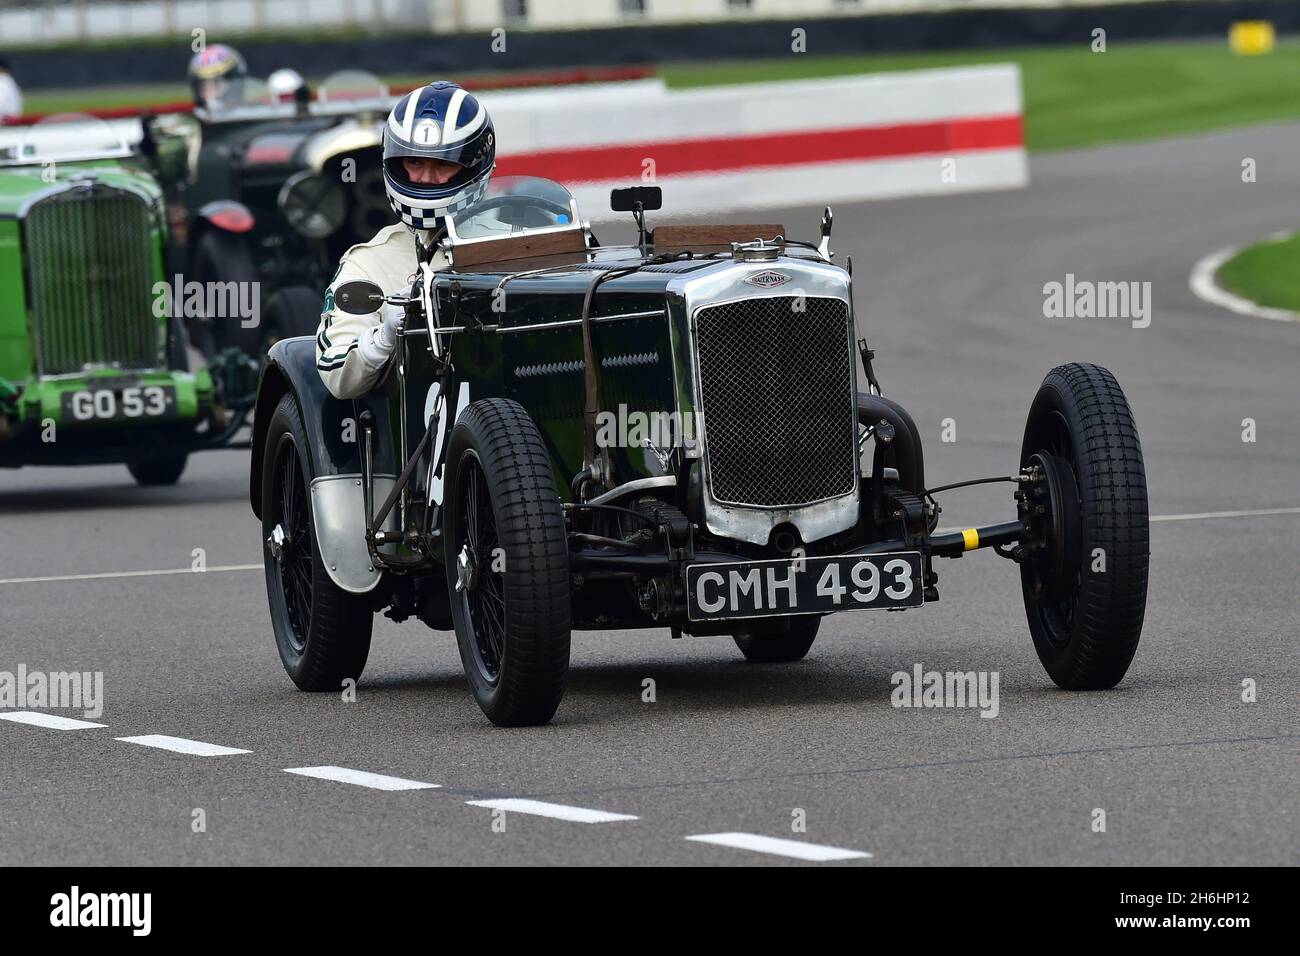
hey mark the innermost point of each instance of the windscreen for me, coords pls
(515, 204)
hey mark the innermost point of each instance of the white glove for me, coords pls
(377, 343)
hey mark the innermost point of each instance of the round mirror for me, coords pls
(358, 297)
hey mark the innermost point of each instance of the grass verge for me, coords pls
(1265, 273)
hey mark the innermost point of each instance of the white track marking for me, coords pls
(257, 567)
(1227, 514)
(557, 811)
(180, 745)
(1205, 287)
(774, 845)
(131, 574)
(52, 721)
(362, 778)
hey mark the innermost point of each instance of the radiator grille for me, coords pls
(776, 386)
(89, 257)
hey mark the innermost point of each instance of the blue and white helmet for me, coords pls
(438, 121)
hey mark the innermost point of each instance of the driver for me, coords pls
(439, 152)
(217, 75)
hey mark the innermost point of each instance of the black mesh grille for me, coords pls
(90, 277)
(778, 403)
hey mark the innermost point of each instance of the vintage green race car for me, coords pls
(93, 368)
(685, 433)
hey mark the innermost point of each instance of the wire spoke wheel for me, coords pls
(507, 561)
(294, 560)
(321, 631)
(481, 592)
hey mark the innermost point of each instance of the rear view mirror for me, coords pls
(626, 200)
(359, 297)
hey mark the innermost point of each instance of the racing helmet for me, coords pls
(438, 121)
(217, 74)
(284, 84)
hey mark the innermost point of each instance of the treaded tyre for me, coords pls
(781, 641)
(152, 472)
(507, 564)
(1085, 593)
(321, 631)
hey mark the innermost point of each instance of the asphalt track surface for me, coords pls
(951, 292)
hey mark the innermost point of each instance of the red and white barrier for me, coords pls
(774, 144)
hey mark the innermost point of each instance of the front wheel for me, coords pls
(507, 562)
(321, 631)
(781, 641)
(1085, 585)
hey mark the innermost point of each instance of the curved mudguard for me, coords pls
(333, 452)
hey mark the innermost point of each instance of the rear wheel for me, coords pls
(158, 471)
(1085, 589)
(321, 631)
(779, 641)
(507, 564)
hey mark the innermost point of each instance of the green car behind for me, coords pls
(92, 367)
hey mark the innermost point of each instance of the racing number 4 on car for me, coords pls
(478, 499)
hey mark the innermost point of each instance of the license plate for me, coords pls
(120, 403)
(848, 582)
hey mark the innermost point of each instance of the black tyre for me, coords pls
(321, 631)
(507, 564)
(292, 311)
(779, 641)
(223, 257)
(1085, 592)
(151, 472)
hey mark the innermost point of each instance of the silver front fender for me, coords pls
(338, 510)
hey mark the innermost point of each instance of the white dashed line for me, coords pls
(131, 574)
(180, 745)
(814, 852)
(361, 778)
(557, 811)
(1227, 514)
(52, 721)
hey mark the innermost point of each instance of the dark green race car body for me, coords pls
(685, 433)
(272, 196)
